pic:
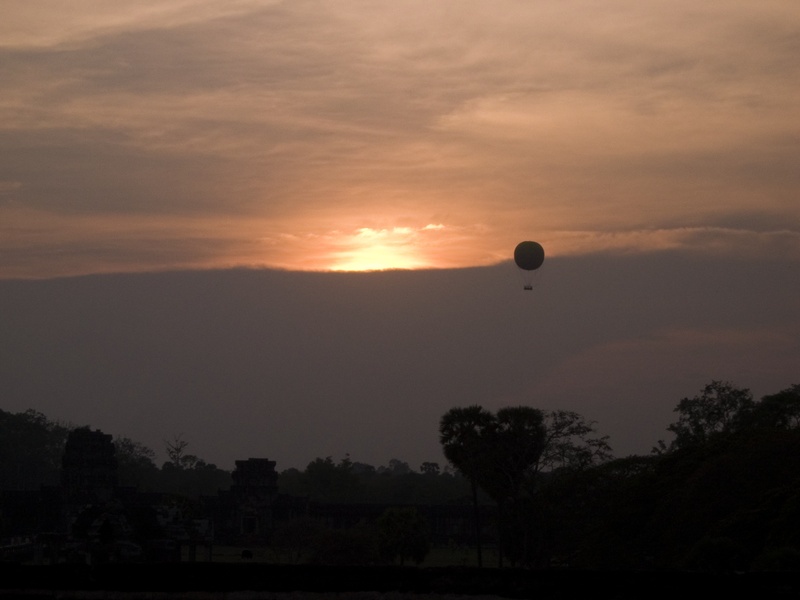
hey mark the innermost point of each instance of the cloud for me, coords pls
(503, 122)
(42, 244)
(47, 24)
(741, 243)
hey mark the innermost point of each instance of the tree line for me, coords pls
(722, 493)
(32, 447)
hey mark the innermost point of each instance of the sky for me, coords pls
(294, 365)
(315, 139)
(359, 134)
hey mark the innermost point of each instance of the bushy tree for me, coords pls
(396, 467)
(31, 447)
(571, 443)
(429, 468)
(403, 534)
(504, 453)
(329, 481)
(190, 476)
(339, 547)
(517, 440)
(325, 480)
(719, 408)
(294, 541)
(780, 411)
(136, 464)
(463, 433)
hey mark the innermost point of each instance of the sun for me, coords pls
(377, 250)
(376, 258)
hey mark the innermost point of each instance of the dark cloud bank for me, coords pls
(291, 365)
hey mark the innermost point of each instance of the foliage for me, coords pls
(348, 482)
(187, 475)
(429, 468)
(294, 541)
(463, 434)
(735, 487)
(784, 559)
(31, 447)
(780, 411)
(327, 481)
(403, 534)
(178, 458)
(395, 467)
(570, 443)
(136, 464)
(723, 495)
(591, 517)
(506, 451)
(345, 547)
(505, 454)
(516, 442)
(720, 554)
(719, 408)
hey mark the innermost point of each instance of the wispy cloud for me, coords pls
(518, 120)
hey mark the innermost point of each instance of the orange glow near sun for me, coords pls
(378, 249)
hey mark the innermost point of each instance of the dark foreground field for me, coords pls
(213, 580)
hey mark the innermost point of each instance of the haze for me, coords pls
(650, 147)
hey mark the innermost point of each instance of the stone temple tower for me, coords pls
(255, 486)
(89, 467)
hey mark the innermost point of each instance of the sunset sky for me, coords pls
(357, 135)
(149, 147)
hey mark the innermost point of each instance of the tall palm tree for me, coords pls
(462, 433)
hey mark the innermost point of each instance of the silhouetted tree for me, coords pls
(358, 546)
(463, 433)
(176, 452)
(327, 481)
(593, 517)
(403, 534)
(740, 487)
(31, 447)
(188, 475)
(294, 541)
(517, 441)
(780, 411)
(136, 466)
(362, 470)
(719, 408)
(396, 467)
(505, 453)
(429, 468)
(571, 443)
(515, 446)
(356, 482)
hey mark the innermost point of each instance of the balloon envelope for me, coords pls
(529, 255)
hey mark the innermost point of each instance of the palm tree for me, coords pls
(462, 433)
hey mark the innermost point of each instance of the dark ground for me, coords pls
(213, 580)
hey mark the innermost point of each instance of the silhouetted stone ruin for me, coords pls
(246, 510)
(89, 467)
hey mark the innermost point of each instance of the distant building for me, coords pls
(88, 468)
(248, 513)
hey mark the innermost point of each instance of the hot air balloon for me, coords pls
(529, 256)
